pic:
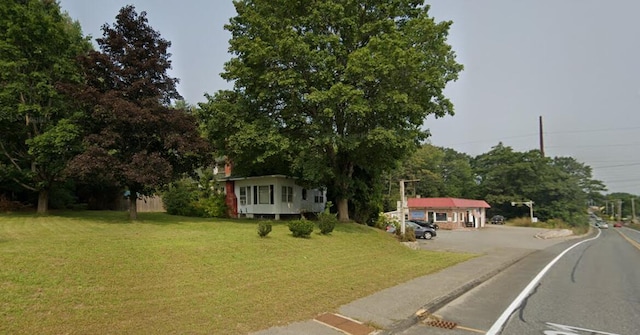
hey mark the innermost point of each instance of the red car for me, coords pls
(617, 225)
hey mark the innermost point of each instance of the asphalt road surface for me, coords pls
(592, 289)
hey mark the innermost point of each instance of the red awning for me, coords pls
(446, 203)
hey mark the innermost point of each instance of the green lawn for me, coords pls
(96, 273)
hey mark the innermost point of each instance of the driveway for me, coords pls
(492, 238)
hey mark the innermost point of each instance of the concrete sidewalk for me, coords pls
(394, 309)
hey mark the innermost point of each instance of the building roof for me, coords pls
(446, 203)
(259, 177)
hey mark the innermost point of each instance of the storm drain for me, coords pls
(441, 324)
(434, 321)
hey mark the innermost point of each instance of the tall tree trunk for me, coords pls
(343, 210)
(133, 206)
(43, 201)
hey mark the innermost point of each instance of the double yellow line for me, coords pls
(633, 243)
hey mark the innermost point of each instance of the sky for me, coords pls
(575, 63)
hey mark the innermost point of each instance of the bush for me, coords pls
(62, 197)
(180, 198)
(409, 235)
(383, 221)
(327, 221)
(214, 206)
(301, 228)
(184, 198)
(264, 228)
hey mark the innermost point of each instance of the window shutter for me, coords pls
(255, 194)
(271, 193)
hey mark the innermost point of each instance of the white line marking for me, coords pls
(561, 328)
(502, 320)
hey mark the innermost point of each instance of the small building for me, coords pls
(274, 197)
(449, 213)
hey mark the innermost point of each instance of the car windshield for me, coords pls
(412, 224)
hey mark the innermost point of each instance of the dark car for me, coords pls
(419, 231)
(426, 224)
(497, 219)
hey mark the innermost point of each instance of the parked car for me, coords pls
(497, 219)
(419, 231)
(427, 224)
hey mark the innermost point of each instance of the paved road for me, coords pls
(594, 286)
(490, 239)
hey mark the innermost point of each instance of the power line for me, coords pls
(614, 166)
(592, 130)
(594, 146)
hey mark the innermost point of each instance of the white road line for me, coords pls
(500, 322)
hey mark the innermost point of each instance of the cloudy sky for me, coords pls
(576, 63)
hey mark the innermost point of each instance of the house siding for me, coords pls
(266, 198)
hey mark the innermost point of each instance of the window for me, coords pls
(304, 194)
(245, 195)
(319, 198)
(287, 194)
(264, 195)
(441, 217)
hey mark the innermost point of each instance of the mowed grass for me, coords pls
(97, 273)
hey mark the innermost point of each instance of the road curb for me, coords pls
(443, 300)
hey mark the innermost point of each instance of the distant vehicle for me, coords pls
(617, 225)
(427, 224)
(419, 231)
(602, 225)
(497, 219)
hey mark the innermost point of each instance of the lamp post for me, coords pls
(528, 204)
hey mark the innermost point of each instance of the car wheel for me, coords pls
(427, 236)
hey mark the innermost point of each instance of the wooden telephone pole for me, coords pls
(541, 138)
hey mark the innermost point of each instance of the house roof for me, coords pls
(446, 203)
(259, 177)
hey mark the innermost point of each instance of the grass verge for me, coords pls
(94, 272)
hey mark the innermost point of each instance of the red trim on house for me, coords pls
(446, 203)
(230, 199)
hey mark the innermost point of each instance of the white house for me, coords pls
(273, 196)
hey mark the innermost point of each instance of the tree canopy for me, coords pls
(133, 137)
(332, 87)
(38, 47)
(555, 185)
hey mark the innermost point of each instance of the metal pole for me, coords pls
(531, 210)
(633, 210)
(402, 223)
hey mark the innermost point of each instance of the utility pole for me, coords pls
(619, 210)
(541, 138)
(402, 205)
(633, 210)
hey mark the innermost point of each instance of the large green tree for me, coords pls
(333, 86)
(133, 137)
(557, 186)
(440, 172)
(38, 135)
